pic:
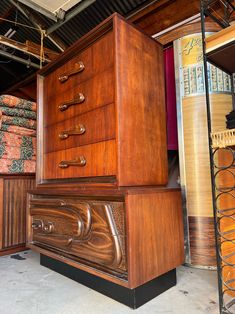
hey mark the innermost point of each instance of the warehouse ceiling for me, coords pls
(60, 23)
(51, 8)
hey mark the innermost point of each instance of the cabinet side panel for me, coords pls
(1, 211)
(155, 235)
(14, 215)
(141, 114)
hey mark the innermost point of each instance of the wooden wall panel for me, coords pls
(164, 14)
(1, 210)
(185, 30)
(14, 210)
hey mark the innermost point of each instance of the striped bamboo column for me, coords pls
(193, 143)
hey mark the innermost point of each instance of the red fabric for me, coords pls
(172, 140)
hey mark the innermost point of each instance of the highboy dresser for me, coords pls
(100, 213)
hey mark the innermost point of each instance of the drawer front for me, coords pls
(86, 96)
(87, 161)
(93, 231)
(92, 127)
(82, 67)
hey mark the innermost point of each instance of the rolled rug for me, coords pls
(18, 121)
(15, 102)
(17, 166)
(15, 112)
(17, 140)
(17, 130)
(14, 152)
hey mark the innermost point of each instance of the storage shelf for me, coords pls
(220, 49)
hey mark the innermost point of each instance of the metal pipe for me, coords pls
(25, 14)
(69, 16)
(39, 9)
(32, 20)
(18, 59)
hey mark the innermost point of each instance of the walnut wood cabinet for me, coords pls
(102, 111)
(100, 207)
(13, 192)
(128, 236)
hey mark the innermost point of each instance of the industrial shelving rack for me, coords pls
(222, 144)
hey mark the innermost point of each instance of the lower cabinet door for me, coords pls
(88, 230)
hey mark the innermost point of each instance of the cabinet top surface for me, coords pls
(87, 40)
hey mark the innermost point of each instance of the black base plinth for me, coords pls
(130, 297)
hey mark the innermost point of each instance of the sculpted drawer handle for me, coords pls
(78, 99)
(37, 224)
(79, 67)
(78, 130)
(48, 227)
(79, 162)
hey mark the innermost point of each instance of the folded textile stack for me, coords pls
(230, 123)
(17, 135)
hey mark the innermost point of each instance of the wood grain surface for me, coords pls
(141, 108)
(93, 60)
(13, 210)
(202, 241)
(1, 210)
(100, 161)
(131, 77)
(90, 230)
(98, 91)
(165, 13)
(154, 235)
(148, 220)
(99, 126)
(185, 30)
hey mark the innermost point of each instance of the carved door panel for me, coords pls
(90, 230)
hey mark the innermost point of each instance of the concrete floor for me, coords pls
(28, 288)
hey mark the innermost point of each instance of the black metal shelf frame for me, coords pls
(225, 287)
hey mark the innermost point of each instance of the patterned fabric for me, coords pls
(12, 101)
(18, 130)
(17, 135)
(14, 152)
(12, 139)
(26, 123)
(18, 113)
(17, 166)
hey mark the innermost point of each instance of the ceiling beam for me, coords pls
(29, 48)
(39, 9)
(8, 70)
(32, 19)
(84, 4)
(7, 14)
(18, 59)
(56, 40)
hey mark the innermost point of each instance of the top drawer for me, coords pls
(82, 67)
